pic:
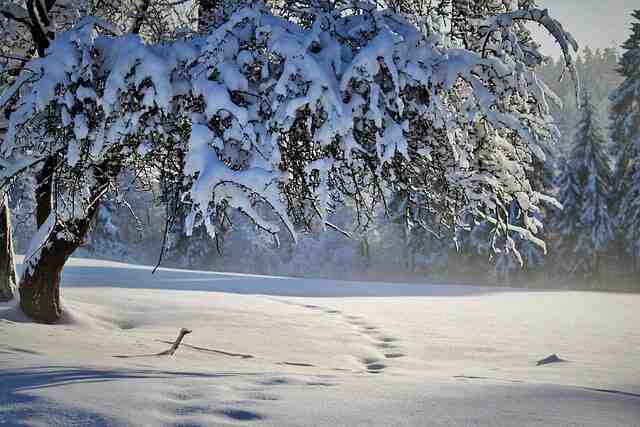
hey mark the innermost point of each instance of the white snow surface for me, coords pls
(276, 351)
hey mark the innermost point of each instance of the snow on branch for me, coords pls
(268, 111)
(504, 21)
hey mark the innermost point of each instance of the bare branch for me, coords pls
(171, 351)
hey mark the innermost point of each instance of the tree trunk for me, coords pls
(40, 283)
(8, 278)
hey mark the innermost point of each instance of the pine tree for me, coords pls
(585, 225)
(625, 131)
(629, 212)
(566, 223)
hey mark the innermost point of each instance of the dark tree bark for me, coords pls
(8, 277)
(40, 283)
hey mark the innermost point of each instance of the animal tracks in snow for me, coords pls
(194, 404)
(373, 364)
(384, 347)
(388, 345)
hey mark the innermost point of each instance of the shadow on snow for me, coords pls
(20, 407)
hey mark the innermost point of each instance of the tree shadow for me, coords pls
(20, 407)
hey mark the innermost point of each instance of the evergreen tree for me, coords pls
(585, 226)
(566, 223)
(598, 73)
(625, 131)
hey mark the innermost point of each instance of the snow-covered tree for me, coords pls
(465, 29)
(28, 27)
(586, 224)
(276, 115)
(625, 117)
(598, 73)
(565, 221)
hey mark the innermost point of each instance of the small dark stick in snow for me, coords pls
(551, 359)
(176, 344)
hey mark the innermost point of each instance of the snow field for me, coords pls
(284, 352)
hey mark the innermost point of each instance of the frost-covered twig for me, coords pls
(555, 29)
(342, 231)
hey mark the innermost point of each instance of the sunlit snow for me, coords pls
(279, 351)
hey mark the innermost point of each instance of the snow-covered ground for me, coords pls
(291, 352)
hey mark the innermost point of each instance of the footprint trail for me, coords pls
(381, 343)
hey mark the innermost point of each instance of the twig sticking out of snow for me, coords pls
(176, 344)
